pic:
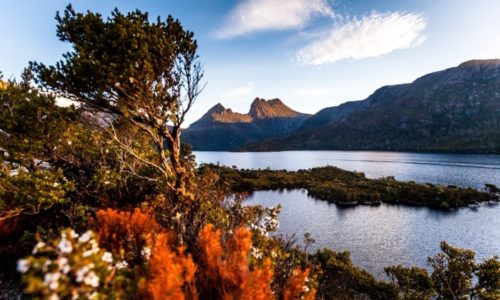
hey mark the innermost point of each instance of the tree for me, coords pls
(145, 72)
(31, 128)
(453, 271)
(414, 283)
(488, 275)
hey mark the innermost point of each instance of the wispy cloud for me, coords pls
(370, 36)
(239, 91)
(261, 15)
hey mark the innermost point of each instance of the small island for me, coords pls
(353, 188)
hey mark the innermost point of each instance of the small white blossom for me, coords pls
(305, 288)
(37, 247)
(62, 262)
(91, 279)
(65, 246)
(52, 280)
(70, 143)
(85, 237)
(81, 273)
(107, 257)
(256, 253)
(23, 265)
(121, 264)
(146, 252)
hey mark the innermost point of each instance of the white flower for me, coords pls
(70, 142)
(62, 263)
(37, 247)
(107, 257)
(88, 252)
(85, 237)
(52, 280)
(91, 279)
(305, 288)
(23, 265)
(80, 273)
(121, 264)
(256, 253)
(146, 252)
(55, 184)
(65, 246)
(106, 182)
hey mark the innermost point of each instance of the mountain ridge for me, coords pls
(453, 110)
(222, 129)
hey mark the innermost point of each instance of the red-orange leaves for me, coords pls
(124, 231)
(170, 274)
(297, 287)
(227, 272)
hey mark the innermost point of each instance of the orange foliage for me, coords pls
(228, 271)
(296, 287)
(124, 230)
(170, 274)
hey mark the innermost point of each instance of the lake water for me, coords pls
(379, 236)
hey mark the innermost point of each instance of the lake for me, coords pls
(379, 236)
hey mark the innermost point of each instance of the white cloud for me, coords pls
(260, 15)
(239, 91)
(370, 36)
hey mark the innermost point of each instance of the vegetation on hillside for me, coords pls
(102, 201)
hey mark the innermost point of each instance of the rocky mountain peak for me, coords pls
(274, 108)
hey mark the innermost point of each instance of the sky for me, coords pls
(311, 54)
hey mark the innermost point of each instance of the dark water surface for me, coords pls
(466, 170)
(379, 236)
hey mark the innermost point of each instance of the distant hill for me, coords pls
(455, 110)
(221, 129)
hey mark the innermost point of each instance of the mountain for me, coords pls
(454, 110)
(221, 129)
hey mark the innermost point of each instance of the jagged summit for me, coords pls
(219, 114)
(274, 108)
(260, 109)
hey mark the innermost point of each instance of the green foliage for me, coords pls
(145, 73)
(349, 188)
(31, 192)
(488, 277)
(340, 279)
(414, 283)
(31, 125)
(453, 272)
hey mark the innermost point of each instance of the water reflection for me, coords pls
(378, 236)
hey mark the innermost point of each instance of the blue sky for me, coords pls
(310, 53)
